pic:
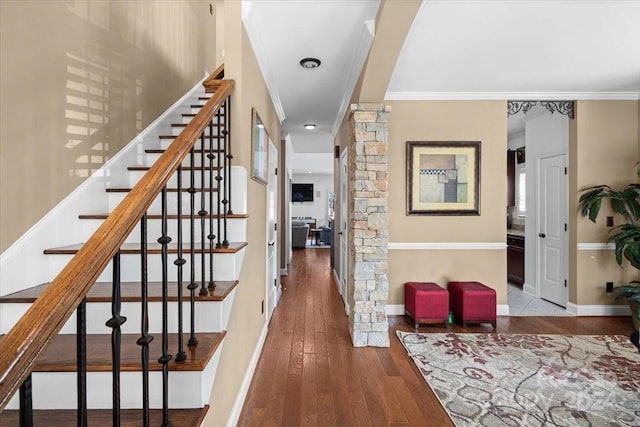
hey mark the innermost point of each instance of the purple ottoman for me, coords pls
(472, 302)
(426, 302)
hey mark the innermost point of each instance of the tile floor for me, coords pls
(521, 304)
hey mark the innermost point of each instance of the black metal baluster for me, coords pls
(181, 356)
(145, 339)
(203, 214)
(220, 157)
(164, 241)
(26, 403)
(116, 338)
(227, 128)
(81, 361)
(226, 201)
(211, 236)
(192, 250)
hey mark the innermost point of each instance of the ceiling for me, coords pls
(455, 50)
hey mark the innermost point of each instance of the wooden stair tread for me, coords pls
(194, 114)
(169, 216)
(60, 356)
(152, 248)
(130, 292)
(103, 417)
(169, 190)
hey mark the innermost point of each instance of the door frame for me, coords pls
(273, 291)
(343, 228)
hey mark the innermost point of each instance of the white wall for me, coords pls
(319, 208)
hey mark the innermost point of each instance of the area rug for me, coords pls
(530, 380)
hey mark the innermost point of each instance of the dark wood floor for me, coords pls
(309, 374)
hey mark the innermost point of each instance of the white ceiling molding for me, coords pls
(529, 96)
(354, 70)
(254, 31)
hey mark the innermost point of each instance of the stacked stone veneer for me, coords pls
(368, 228)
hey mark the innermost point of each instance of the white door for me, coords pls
(273, 290)
(552, 233)
(343, 222)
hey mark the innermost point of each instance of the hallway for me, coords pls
(309, 374)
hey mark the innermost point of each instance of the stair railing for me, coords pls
(35, 331)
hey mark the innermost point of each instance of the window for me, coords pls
(521, 189)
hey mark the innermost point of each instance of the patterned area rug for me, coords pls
(530, 380)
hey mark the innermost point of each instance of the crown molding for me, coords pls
(253, 28)
(533, 96)
(367, 34)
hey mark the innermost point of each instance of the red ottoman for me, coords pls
(472, 302)
(426, 302)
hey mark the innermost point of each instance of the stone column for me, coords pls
(368, 227)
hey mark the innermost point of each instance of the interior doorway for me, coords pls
(539, 134)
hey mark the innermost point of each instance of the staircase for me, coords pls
(136, 341)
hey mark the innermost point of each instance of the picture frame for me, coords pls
(259, 149)
(443, 177)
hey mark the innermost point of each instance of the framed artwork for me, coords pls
(443, 178)
(259, 148)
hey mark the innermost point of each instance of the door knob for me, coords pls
(542, 235)
(340, 233)
(272, 243)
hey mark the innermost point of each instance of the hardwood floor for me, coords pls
(309, 374)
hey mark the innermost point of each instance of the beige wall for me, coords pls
(247, 320)
(484, 121)
(78, 80)
(605, 147)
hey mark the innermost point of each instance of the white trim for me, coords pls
(398, 309)
(503, 310)
(394, 309)
(446, 245)
(254, 31)
(353, 71)
(596, 246)
(530, 96)
(598, 310)
(284, 271)
(236, 410)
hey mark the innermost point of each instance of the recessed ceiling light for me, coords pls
(310, 63)
(309, 126)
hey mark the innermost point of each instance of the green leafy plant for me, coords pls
(625, 237)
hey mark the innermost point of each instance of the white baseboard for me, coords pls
(398, 310)
(236, 410)
(502, 310)
(598, 310)
(395, 309)
(529, 290)
(284, 271)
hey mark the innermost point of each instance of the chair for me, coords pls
(299, 234)
(326, 235)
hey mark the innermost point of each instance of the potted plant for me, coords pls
(625, 237)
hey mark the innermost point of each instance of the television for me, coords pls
(302, 192)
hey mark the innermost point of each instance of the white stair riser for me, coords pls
(175, 130)
(196, 110)
(172, 201)
(165, 143)
(210, 316)
(236, 229)
(225, 267)
(53, 390)
(151, 158)
(135, 176)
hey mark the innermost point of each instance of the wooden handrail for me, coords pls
(30, 337)
(212, 82)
